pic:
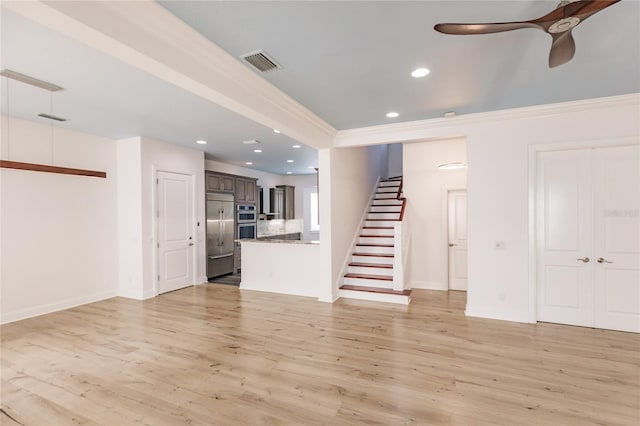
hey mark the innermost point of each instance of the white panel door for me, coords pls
(175, 231)
(457, 215)
(564, 237)
(588, 237)
(617, 238)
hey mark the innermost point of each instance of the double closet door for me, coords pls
(588, 237)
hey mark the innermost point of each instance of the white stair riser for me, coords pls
(372, 259)
(385, 209)
(376, 240)
(391, 201)
(383, 223)
(381, 232)
(374, 250)
(395, 183)
(387, 272)
(364, 282)
(375, 297)
(383, 216)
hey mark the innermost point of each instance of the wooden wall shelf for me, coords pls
(50, 169)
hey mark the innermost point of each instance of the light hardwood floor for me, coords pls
(215, 355)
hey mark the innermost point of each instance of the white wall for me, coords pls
(289, 268)
(160, 156)
(344, 192)
(499, 146)
(395, 167)
(130, 270)
(498, 199)
(58, 232)
(425, 188)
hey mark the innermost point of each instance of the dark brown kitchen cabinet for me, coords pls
(283, 201)
(245, 190)
(220, 183)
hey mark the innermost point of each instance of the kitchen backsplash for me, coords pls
(278, 227)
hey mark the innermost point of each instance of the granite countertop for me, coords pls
(280, 241)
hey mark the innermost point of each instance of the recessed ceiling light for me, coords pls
(453, 166)
(295, 146)
(248, 163)
(420, 72)
(289, 161)
(250, 142)
(392, 114)
(276, 131)
(449, 114)
(289, 173)
(310, 167)
(257, 150)
(201, 142)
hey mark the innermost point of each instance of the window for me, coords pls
(313, 210)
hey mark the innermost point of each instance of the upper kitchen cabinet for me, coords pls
(282, 201)
(246, 189)
(219, 182)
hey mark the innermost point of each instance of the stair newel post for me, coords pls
(398, 273)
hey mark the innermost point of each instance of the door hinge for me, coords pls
(157, 181)
(158, 277)
(158, 245)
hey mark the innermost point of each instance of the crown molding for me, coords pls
(462, 125)
(145, 35)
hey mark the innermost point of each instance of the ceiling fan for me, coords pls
(557, 23)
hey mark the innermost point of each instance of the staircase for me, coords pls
(370, 274)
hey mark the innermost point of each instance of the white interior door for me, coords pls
(617, 238)
(564, 237)
(457, 217)
(588, 237)
(175, 231)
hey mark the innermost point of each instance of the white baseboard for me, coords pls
(48, 308)
(429, 285)
(202, 280)
(488, 312)
(148, 294)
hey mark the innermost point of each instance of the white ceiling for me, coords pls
(349, 62)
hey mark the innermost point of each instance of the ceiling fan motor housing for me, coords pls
(564, 25)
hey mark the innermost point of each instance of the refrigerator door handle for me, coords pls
(220, 256)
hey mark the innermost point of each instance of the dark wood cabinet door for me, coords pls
(250, 191)
(241, 193)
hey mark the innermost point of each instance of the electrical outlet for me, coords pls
(499, 245)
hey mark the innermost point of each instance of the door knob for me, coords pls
(452, 245)
(603, 260)
(584, 259)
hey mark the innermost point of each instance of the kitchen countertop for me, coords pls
(280, 241)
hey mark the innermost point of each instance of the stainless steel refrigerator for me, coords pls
(220, 230)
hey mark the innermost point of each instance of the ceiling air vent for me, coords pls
(260, 61)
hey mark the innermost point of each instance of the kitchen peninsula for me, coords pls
(282, 266)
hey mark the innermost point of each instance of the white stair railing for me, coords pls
(401, 242)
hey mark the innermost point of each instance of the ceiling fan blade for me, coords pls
(563, 48)
(587, 7)
(580, 8)
(464, 29)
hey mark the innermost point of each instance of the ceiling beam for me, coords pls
(145, 35)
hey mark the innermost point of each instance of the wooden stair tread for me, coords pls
(382, 220)
(377, 227)
(369, 277)
(373, 245)
(371, 265)
(376, 236)
(386, 205)
(375, 290)
(372, 254)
